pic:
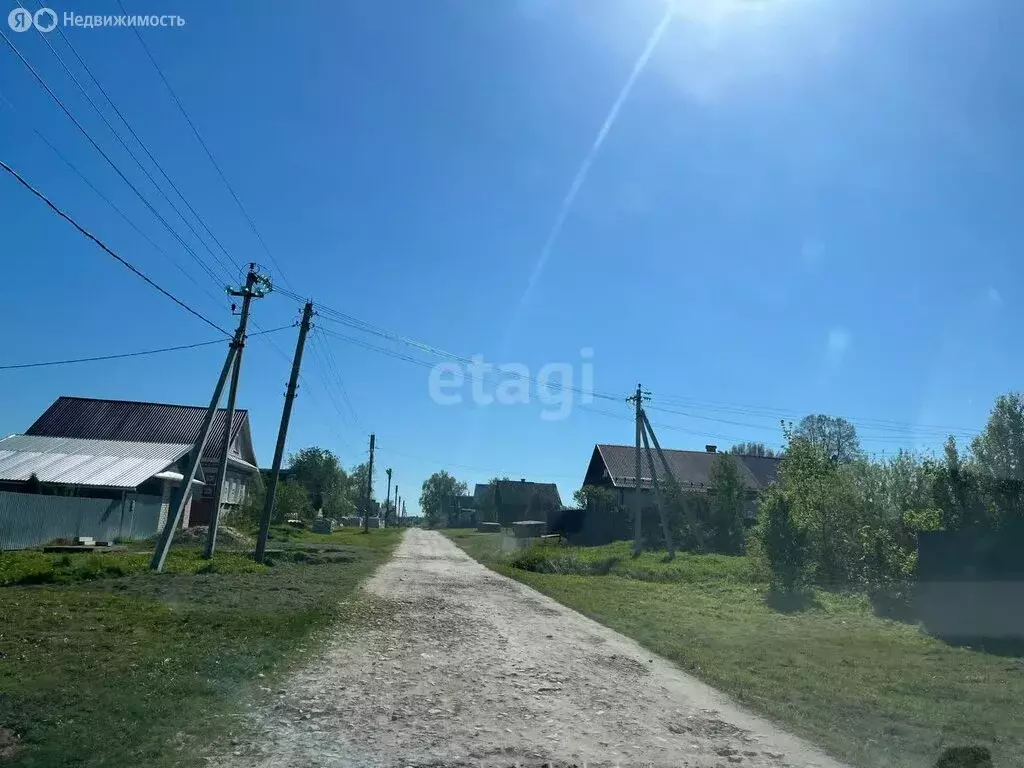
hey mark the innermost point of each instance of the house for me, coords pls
(459, 512)
(167, 424)
(516, 500)
(58, 487)
(483, 501)
(614, 467)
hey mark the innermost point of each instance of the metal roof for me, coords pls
(72, 461)
(691, 469)
(520, 492)
(131, 420)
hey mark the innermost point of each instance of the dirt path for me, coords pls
(469, 668)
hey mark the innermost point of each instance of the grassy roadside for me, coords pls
(103, 663)
(871, 691)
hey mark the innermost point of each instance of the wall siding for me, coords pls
(29, 520)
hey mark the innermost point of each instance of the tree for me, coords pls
(356, 492)
(833, 435)
(726, 506)
(956, 490)
(781, 543)
(999, 458)
(436, 488)
(594, 496)
(291, 503)
(319, 472)
(752, 449)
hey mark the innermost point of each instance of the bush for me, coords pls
(781, 545)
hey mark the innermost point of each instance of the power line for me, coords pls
(114, 207)
(111, 357)
(128, 149)
(110, 162)
(331, 367)
(323, 371)
(360, 325)
(103, 245)
(765, 411)
(583, 406)
(237, 265)
(122, 355)
(209, 154)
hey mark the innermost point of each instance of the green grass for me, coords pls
(872, 691)
(104, 663)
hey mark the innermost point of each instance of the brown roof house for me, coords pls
(131, 421)
(516, 500)
(614, 467)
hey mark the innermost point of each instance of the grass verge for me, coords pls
(104, 663)
(872, 691)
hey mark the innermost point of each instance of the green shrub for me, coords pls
(781, 545)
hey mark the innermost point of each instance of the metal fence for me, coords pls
(28, 520)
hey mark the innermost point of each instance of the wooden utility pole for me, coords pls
(256, 286)
(369, 488)
(387, 499)
(282, 433)
(182, 495)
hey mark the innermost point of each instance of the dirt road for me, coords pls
(463, 667)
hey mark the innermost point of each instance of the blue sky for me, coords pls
(798, 206)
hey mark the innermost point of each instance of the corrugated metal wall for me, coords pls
(29, 520)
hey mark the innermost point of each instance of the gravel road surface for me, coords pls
(458, 666)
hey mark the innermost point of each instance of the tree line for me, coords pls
(315, 480)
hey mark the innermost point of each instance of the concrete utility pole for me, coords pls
(183, 493)
(256, 287)
(637, 400)
(398, 514)
(659, 497)
(694, 524)
(282, 433)
(369, 488)
(387, 499)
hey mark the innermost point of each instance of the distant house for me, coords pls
(516, 500)
(141, 422)
(483, 501)
(459, 512)
(614, 467)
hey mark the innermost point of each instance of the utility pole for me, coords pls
(694, 523)
(369, 488)
(256, 286)
(387, 499)
(183, 493)
(658, 495)
(282, 433)
(637, 400)
(398, 513)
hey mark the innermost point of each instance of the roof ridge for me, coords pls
(141, 402)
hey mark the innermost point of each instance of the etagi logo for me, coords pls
(513, 384)
(22, 19)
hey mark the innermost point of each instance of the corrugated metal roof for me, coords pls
(520, 492)
(72, 461)
(691, 469)
(135, 421)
